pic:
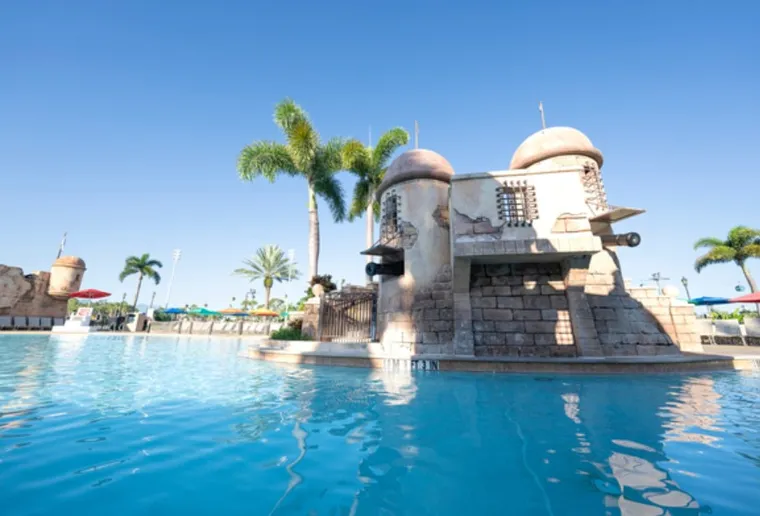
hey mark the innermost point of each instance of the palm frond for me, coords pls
(360, 200)
(266, 159)
(288, 114)
(328, 187)
(741, 236)
(708, 242)
(357, 158)
(751, 251)
(303, 144)
(387, 145)
(128, 271)
(718, 254)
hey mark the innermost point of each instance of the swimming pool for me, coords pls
(178, 425)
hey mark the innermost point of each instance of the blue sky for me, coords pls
(120, 122)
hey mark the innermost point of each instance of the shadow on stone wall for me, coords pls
(565, 307)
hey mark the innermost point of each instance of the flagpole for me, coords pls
(416, 135)
(62, 245)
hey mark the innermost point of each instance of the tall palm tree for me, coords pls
(144, 267)
(369, 165)
(270, 264)
(742, 244)
(303, 155)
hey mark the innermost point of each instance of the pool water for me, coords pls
(175, 425)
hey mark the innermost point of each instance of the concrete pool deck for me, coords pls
(372, 355)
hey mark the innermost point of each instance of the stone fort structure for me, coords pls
(40, 294)
(514, 263)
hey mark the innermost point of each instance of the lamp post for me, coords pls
(685, 283)
(176, 255)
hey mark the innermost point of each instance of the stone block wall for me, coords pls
(310, 324)
(520, 310)
(633, 321)
(27, 295)
(433, 316)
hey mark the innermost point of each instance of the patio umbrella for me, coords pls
(709, 301)
(203, 312)
(90, 293)
(175, 311)
(749, 298)
(263, 312)
(233, 312)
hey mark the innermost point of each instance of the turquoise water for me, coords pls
(166, 425)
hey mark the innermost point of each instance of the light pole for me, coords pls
(176, 255)
(685, 283)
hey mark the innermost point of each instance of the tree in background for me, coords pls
(269, 264)
(144, 267)
(742, 244)
(369, 166)
(303, 155)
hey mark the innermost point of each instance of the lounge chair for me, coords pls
(33, 323)
(705, 330)
(752, 331)
(6, 322)
(46, 323)
(19, 323)
(728, 333)
(58, 321)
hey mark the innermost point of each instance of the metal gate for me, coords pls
(348, 316)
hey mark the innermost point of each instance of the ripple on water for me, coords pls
(134, 425)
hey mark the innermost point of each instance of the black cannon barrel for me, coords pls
(384, 269)
(623, 240)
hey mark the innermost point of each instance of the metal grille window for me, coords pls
(389, 222)
(596, 198)
(516, 201)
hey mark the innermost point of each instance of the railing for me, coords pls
(348, 317)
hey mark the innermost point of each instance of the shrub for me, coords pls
(288, 333)
(325, 280)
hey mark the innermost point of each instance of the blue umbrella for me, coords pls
(174, 311)
(709, 301)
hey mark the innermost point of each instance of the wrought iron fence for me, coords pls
(348, 316)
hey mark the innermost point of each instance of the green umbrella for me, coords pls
(203, 311)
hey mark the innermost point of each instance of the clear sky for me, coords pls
(121, 122)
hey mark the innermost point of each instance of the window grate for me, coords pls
(389, 221)
(596, 198)
(516, 203)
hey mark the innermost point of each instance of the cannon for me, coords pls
(623, 240)
(384, 269)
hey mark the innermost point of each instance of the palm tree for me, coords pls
(370, 165)
(270, 264)
(742, 244)
(303, 155)
(144, 267)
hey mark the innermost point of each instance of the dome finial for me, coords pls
(541, 110)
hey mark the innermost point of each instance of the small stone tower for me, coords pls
(414, 250)
(66, 276)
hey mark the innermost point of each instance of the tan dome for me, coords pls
(69, 261)
(553, 142)
(416, 164)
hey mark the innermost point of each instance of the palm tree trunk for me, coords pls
(370, 230)
(137, 294)
(751, 281)
(267, 291)
(313, 233)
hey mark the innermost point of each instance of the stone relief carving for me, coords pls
(441, 216)
(467, 226)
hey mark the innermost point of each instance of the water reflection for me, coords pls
(272, 439)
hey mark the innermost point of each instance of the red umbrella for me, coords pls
(749, 298)
(90, 293)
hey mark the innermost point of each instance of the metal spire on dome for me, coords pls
(541, 110)
(416, 135)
